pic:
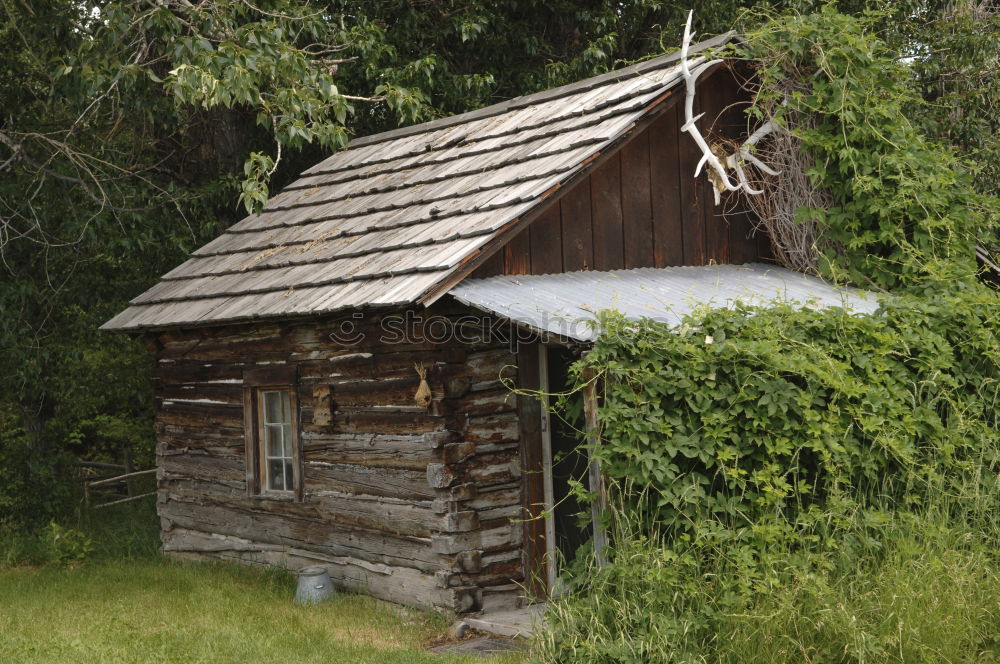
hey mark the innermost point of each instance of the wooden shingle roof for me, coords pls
(393, 219)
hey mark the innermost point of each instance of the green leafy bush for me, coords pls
(749, 414)
(66, 546)
(795, 485)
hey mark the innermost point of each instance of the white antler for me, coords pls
(734, 161)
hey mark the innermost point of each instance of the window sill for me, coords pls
(280, 497)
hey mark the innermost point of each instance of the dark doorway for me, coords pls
(569, 459)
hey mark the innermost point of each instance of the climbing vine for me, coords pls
(898, 211)
(756, 413)
(752, 414)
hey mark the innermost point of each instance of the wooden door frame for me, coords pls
(538, 537)
(533, 540)
(548, 491)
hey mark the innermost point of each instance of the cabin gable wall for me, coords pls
(642, 206)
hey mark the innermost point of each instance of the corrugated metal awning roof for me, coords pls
(565, 305)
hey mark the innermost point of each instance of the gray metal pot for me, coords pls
(314, 586)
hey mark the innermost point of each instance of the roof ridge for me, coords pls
(543, 95)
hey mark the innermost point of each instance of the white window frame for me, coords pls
(287, 433)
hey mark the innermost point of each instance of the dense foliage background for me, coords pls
(134, 131)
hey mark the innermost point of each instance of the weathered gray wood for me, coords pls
(367, 479)
(469, 561)
(440, 475)
(321, 405)
(458, 452)
(229, 393)
(386, 450)
(123, 500)
(501, 501)
(310, 534)
(490, 469)
(454, 544)
(436, 439)
(460, 522)
(502, 598)
(119, 478)
(374, 513)
(485, 539)
(497, 573)
(398, 584)
(198, 463)
(382, 481)
(386, 421)
(499, 400)
(487, 365)
(522, 622)
(492, 429)
(465, 491)
(183, 413)
(208, 443)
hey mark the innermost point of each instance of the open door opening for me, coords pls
(567, 463)
(553, 461)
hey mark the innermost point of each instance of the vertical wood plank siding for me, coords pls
(668, 221)
(643, 207)
(637, 203)
(546, 246)
(410, 504)
(606, 214)
(577, 229)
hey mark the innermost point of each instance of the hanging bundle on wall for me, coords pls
(423, 396)
(322, 411)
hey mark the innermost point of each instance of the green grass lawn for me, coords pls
(125, 603)
(160, 611)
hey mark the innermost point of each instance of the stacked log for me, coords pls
(416, 505)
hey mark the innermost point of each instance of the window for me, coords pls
(275, 434)
(274, 458)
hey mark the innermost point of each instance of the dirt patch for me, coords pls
(472, 642)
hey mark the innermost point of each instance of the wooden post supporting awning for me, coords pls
(599, 504)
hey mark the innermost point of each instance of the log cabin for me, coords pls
(333, 376)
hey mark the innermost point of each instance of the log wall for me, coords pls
(409, 504)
